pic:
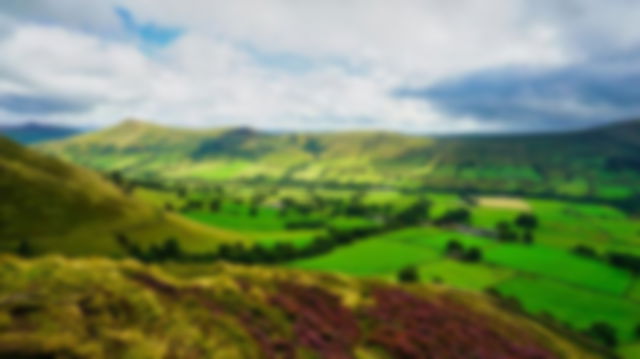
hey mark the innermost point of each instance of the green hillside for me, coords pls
(97, 308)
(53, 206)
(599, 163)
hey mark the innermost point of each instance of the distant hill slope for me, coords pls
(34, 132)
(96, 308)
(60, 207)
(599, 163)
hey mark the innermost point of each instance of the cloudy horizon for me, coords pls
(414, 66)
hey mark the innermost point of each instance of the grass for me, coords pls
(487, 217)
(237, 221)
(368, 258)
(600, 226)
(634, 291)
(574, 305)
(560, 265)
(464, 275)
(434, 238)
(351, 222)
(631, 351)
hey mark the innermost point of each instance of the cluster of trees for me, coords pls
(414, 214)
(526, 222)
(456, 250)
(454, 216)
(604, 333)
(170, 250)
(125, 185)
(626, 261)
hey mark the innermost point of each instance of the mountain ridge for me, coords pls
(573, 163)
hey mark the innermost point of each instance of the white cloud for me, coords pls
(359, 52)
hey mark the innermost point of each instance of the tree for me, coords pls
(253, 211)
(603, 332)
(504, 232)
(454, 248)
(585, 251)
(627, 261)
(408, 275)
(414, 214)
(636, 332)
(474, 254)
(527, 221)
(123, 240)
(171, 249)
(116, 178)
(24, 248)
(527, 237)
(454, 216)
(215, 204)
(284, 251)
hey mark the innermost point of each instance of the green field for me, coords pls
(562, 266)
(574, 305)
(375, 256)
(462, 275)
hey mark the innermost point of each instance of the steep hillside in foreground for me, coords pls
(60, 207)
(597, 163)
(57, 308)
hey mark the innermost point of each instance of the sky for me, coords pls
(416, 66)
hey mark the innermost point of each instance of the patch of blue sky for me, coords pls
(150, 35)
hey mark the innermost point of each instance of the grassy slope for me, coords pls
(568, 164)
(96, 308)
(63, 208)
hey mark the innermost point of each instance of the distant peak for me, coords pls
(134, 122)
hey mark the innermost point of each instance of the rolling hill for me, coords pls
(98, 308)
(59, 207)
(595, 163)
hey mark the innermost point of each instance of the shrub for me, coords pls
(505, 232)
(604, 333)
(527, 221)
(584, 251)
(454, 216)
(473, 255)
(24, 248)
(408, 275)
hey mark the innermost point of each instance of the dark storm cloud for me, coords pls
(40, 105)
(597, 91)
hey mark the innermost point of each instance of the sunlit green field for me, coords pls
(574, 305)
(376, 256)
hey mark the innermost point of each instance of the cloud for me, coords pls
(31, 105)
(578, 95)
(284, 64)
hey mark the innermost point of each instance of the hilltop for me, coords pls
(595, 163)
(56, 206)
(98, 308)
